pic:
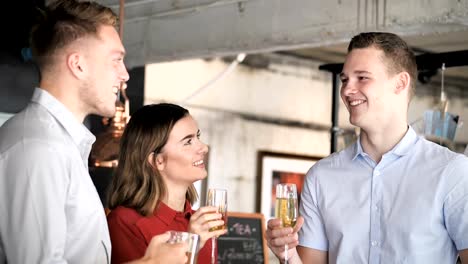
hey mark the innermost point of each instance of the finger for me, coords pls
(210, 217)
(177, 250)
(162, 238)
(278, 233)
(218, 233)
(207, 209)
(202, 211)
(281, 232)
(299, 223)
(214, 223)
(274, 223)
(293, 245)
(283, 240)
(177, 247)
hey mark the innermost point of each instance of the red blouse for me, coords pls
(131, 232)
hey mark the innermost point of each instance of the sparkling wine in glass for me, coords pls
(218, 199)
(286, 208)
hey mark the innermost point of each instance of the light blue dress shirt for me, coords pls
(411, 207)
(50, 211)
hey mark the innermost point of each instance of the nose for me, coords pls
(123, 74)
(348, 88)
(203, 148)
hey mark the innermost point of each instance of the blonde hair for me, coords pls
(62, 23)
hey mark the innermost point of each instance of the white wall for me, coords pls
(246, 90)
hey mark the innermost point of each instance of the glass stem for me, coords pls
(213, 241)
(286, 254)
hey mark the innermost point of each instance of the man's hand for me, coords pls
(277, 237)
(159, 251)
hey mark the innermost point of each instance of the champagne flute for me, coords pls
(286, 208)
(218, 199)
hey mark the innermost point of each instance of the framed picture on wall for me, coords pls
(274, 168)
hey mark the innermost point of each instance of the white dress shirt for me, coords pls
(50, 210)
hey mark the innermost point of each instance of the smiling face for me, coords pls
(369, 91)
(182, 159)
(105, 71)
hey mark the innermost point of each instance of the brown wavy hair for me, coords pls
(136, 183)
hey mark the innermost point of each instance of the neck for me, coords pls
(376, 142)
(63, 91)
(176, 198)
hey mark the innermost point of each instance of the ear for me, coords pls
(402, 82)
(76, 63)
(157, 161)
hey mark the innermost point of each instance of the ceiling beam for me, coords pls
(165, 30)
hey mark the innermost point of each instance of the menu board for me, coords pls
(244, 242)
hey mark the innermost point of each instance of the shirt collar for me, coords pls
(167, 214)
(406, 143)
(82, 137)
(358, 151)
(401, 149)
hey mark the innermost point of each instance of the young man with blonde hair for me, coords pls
(51, 212)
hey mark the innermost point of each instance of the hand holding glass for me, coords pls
(218, 199)
(286, 208)
(190, 239)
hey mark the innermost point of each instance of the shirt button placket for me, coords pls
(375, 232)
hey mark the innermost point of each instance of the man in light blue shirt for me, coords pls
(392, 197)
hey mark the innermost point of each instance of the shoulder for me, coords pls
(439, 154)
(440, 162)
(123, 214)
(39, 152)
(334, 160)
(33, 128)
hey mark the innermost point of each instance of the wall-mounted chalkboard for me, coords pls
(244, 242)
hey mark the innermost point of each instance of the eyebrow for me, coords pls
(121, 53)
(190, 136)
(342, 74)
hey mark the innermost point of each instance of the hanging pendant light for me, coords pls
(106, 149)
(440, 125)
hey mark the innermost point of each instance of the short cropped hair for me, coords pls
(63, 22)
(398, 55)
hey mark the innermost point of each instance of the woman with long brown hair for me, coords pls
(152, 191)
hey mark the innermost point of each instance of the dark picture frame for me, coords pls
(277, 167)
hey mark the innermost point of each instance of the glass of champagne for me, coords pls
(218, 199)
(286, 208)
(191, 240)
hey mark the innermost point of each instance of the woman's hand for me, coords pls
(202, 220)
